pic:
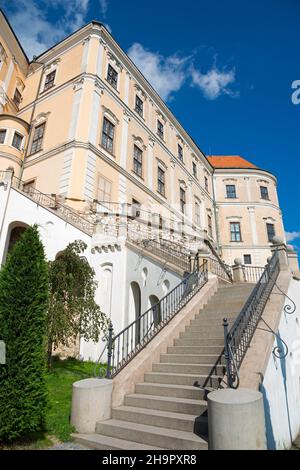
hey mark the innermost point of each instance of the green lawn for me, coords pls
(59, 385)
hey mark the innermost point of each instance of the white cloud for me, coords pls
(30, 20)
(214, 82)
(103, 6)
(290, 236)
(166, 74)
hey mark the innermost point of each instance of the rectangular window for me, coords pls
(209, 225)
(112, 76)
(194, 169)
(160, 129)
(161, 185)
(136, 208)
(230, 191)
(108, 133)
(103, 190)
(235, 232)
(247, 259)
(206, 183)
(2, 135)
(180, 152)
(49, 82)
(139, 105)
(197, 214)
(17, 140)
(182, 200)
(137, 161)
(37, 139)
(264, 193)
(17, 97)
(270, 232)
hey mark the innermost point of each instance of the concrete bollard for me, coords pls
(91, 402)
(236, 420)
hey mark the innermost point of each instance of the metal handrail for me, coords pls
(238, 338)
(124, 346)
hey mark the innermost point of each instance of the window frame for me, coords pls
(206, 183)
(160, 129)
(106, 136)
(198, 213)
(209, 225)
(245, 262)
(194, 169)
(182, 199)
(180, 152)
(138, 161)
(17, 101)
(161, 181)
(139, 105)
(264, 193)
(98, 189)
(3, 131)
(17, 133)
(231, 193)
(235, 235)
(48, 84)
(268, 224)
(38, 139)
(112, 78)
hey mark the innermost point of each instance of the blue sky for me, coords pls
(225, 69)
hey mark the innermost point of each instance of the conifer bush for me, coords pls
(23, 310)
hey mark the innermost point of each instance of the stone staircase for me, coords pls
(167, 411)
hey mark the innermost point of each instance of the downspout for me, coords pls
(31, 118)
(215, 212)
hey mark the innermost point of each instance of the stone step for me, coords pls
(169, 390)
(99, 442)
(181, 379)
(202, 334)
(206, 350)
(151, 435)
(151, 417)
(184, 341)
(214, 328)
(174, 404)
(190, 358)
(200, 369)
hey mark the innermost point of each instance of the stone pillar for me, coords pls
(236, 420)
(281, 250)
(238, 271)
(292, 258)
(91, 402)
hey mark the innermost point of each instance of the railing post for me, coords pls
(226, 352)
(109, 351)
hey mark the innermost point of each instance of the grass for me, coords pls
(59, 385)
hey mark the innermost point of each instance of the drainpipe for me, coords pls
(31, 118)
(215, 213)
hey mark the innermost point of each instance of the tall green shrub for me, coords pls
(23, 309)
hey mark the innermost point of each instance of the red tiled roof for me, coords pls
(229, 161)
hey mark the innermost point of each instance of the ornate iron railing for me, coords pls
(124, 346)
(252, 274)
(217, 265)
(49, 201)
(238, 338)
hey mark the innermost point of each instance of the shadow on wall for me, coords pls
(271, 443)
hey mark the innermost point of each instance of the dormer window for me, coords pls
(49, 82)
(112, 76)
(17, 97)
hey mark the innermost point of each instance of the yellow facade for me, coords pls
(67, 94)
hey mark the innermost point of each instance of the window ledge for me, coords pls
(111, 86)
(107, 151)
(136, 174)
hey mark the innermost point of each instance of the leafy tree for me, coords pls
(72, 310)
(23, 307)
